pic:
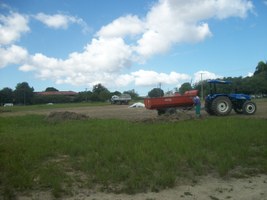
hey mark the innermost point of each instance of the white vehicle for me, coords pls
(122, 99)
(8, 104)
(137, 105)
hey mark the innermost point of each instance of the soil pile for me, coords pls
(66, 115)
(179, 116)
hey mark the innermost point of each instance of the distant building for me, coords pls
(61, 93)
(55, 97)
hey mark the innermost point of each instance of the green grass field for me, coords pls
(122, 156)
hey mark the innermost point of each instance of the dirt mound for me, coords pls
(179, 116)
(66, 115)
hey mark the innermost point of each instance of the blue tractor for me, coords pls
(222, 104)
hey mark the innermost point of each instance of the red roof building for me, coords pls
(63, 93)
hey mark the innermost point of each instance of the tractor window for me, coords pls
(224, 88)
(221, 88)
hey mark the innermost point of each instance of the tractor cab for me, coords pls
(213, 85)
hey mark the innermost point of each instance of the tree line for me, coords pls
(253, 85)
(25, 95)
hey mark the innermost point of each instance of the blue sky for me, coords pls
(125, 44)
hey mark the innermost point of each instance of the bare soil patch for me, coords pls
(207, 188)
(133, 114)
(65, 115)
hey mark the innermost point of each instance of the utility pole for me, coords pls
(24, 96)
(86, 97)
(202, 91)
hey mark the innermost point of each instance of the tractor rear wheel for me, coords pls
(249, 108)
(208, 108)
(221, 106)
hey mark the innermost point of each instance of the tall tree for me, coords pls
(99, 88)
(156, 92)
(185, 87)
(261, 68)
(260, 78)
(6, 95)
(23, 93)
(132, 93)
(100, 93)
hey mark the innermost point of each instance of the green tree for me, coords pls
(115, 93)
(6, 95)
(185, 87)
(51, 89)
(156, 92)
(256, 84)
(198, 86)
(100, 93)
(23, 93)
(261, 68)
(260, 78)
(132, 93)
(84, 96)
(98, 88)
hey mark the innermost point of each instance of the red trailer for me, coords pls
(170, 104)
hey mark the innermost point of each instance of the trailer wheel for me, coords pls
(221, 106)
(249, 108)
(171, 111)
(161, 111)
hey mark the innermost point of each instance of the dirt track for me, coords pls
(124, 112)
(101, 112)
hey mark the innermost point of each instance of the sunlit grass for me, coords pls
(124, 156)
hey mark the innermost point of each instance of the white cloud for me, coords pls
(108, 56)
(12, 55)
(11, 27)
(123, 26)
(60, 21)
(205, 75)
(250, 74)
(230, 8)
(102, 55)
(170, 22)
(123, 80)
(152, 78)
(100, 61)
(54, 21)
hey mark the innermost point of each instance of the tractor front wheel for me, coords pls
(249, 108)
(221, 106)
